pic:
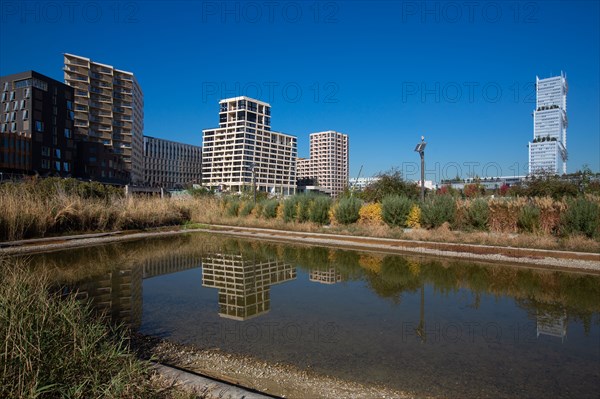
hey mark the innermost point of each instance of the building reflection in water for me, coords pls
(330, 276)
(244, 284)
(552, 324)
(118, 294)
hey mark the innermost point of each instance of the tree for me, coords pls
(389, 183)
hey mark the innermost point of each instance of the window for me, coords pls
(15, 105)
(22, 83)
(71, 115)
(66, 166)
(69, 105)
(6, 107)
(3, 128)
(13, 127)
(12, 96)
(27, 93)
(5, 86)
(13, 116)
(45, 164)
(68, 133)
(57, 153)
(57, 165)
(23, 104)
(25, 115)
(45, 151)
(39, 126)
(4, 96)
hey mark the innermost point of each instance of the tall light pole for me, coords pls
(420, 148)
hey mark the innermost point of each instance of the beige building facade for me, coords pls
(244, 145)
(109, 109)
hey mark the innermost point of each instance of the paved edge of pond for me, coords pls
(205, 387)
(541, 258)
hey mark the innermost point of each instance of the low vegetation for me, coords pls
(58, 207)
(52, 345)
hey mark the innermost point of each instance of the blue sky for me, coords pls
(385, 73)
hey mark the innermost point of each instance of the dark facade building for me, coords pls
(95, 161)
(36, 125)
(170, 164)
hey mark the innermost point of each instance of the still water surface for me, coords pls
(425, 325)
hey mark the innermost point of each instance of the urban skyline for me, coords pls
(461, 98)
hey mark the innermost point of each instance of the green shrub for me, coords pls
(529, 219)
(437, 211)
(269, 210)
(233, 207)
(477, 214)
(319, 211)
(395, 210)
(290, 207)
(303, 212)
(582, 216)
(247, 208)
(347, 210)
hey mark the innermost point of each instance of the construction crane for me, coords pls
(356, 182)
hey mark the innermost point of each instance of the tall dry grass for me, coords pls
(53, 347)
(27, 214)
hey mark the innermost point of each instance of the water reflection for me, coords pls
(552, 324)
(244, 284)
(434, 326)
(117, 294)
(330, 276)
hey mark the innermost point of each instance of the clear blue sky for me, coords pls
(386, 72)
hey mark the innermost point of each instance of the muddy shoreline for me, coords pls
(277, 379)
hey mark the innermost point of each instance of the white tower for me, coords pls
(548, 150)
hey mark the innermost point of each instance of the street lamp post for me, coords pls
(420, 148)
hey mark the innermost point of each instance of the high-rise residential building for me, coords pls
(328, 164)
(548, 150)
(244, 145)
(109, 109)
(170, 164)
(36, 125)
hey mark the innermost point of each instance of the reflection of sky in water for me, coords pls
(454, 329)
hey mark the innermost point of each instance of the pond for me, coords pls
(430, 326)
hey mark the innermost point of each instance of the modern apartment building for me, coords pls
(36, 125)
(170, 164)
(109, 109)
(328, 164)
(244, 144)
(548, 150)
